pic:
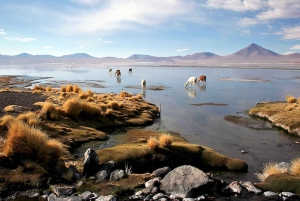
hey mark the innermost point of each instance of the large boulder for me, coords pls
(185, 181)
(91, 163)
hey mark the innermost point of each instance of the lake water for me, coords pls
(237, 90)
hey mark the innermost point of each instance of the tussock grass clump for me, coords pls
(295, 167)
(73, 107)
(290, 99)
(109, 111)
(103, 106)
(29, 117)
(90, 93)
(48, 88)
(153, 143)
(51, 110)
(6, 120)
(125, 94)
(38, 88)
(76, 89)
(291, 107)
(165, 140)
(139, 96)
(113, 104)
(30, 143)
(63, 89)
(69, 88)
(90, 109)
(269, 169)
(83, 95)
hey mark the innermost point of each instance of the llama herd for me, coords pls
(192, 81)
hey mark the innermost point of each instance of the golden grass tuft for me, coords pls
(83, 95)
(153, 143)
(113, 104)
(89, 92)
(30, 143)
(63, 89)
(103, 106)
(48, 88)
(269, 169)
(139, 96)
(291, 107)
(73, 107)
(69, 88)
(295, 167)
(290, 99)
(76, 89)
(30, 118)
(108, 111)
(165, 140)
(90, 109)
(51, 111)
(6, 120)
(125, 94)
(38, 88)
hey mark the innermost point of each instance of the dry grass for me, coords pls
(30, 143)
(30, 118)
(38, 88)
(73, 107)
(139, 96)
(153, 143)
(109, 112)
(290, 99)
(113, 104)
(295, 167)
(69, 88)
(63, 89)
(269, 169)
(83, 95)
(6, 120)
(165, 140)
(90, 109)
(103, 106)
(89, 92)
(76, 89)
(291, 107)
(125, 94)
(51, 110)
(48, 88)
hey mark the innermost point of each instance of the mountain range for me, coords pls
(250, 55)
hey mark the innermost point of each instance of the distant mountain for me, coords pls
(26, 55)
(148, 58)
(252, 52)
(140, 56)
(78, 55)
(203, 55)
(1, 56)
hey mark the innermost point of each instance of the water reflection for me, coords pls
(202, 87)
(118, 79)
(144, 92)
(191, 91)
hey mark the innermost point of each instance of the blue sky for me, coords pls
(120, 28)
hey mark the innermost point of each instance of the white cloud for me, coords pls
(295, 47)
(290, 33)
(237, 5)
(2, 31)
(270, 27)
(104, 41)
(48, 47)
(120, 14)
(23, 39)
(287, 53)
(246, 31)
(182, 50)
(265, 34)
(80, 47)
(247, 21)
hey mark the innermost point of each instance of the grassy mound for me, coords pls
(142, 158)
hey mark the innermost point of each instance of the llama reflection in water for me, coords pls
(191, 91)
(118, 79)
(202, 87)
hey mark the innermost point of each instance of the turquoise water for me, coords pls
(236, 89)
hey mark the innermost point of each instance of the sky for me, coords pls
(121, 28)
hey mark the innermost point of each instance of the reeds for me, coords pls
(269, 169)
(29, 117)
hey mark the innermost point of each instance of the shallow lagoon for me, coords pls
(232, 92)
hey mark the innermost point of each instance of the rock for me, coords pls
(86, 195)
(271, 195)
(101, 176)
(182, 183)
(106, 198)
(15, 108)
(250, 187)
(158, 196)
(63, 190)
(91, 163)
(152, 182)
(161, 172)
(288, 196)
(116, 175)
(234, 187)
(74, 172)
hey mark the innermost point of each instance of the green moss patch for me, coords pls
(283, 182)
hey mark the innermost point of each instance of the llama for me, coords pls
(110, 70)
(192, 81)
(143, 83)
(118, 73)
(202, 78)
